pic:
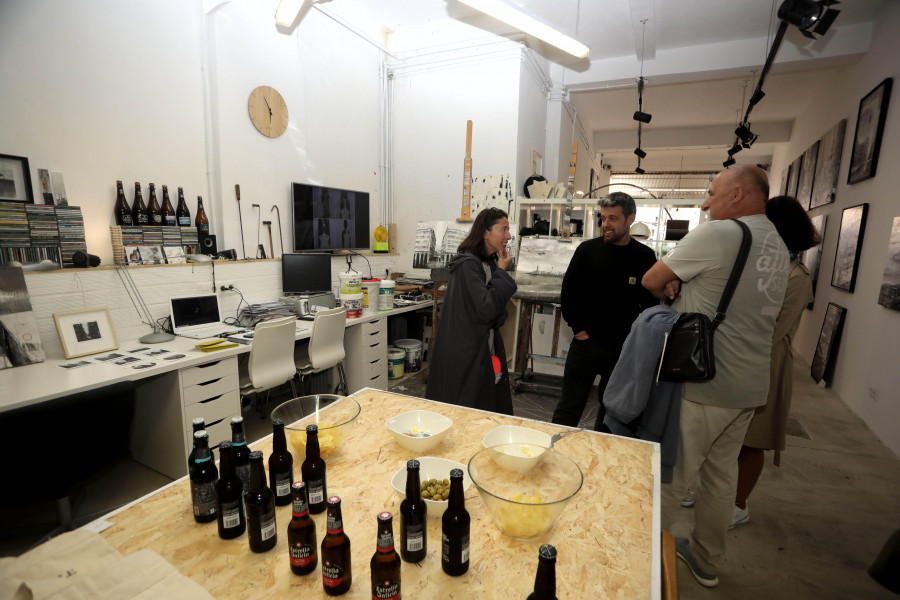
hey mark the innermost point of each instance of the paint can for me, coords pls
(351, 283)
(386, 295)
(396, 360)
(354, 304)
(370, 295)
(413, 350)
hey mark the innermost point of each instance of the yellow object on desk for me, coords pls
(217, 344)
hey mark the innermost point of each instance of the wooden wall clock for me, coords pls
(268, 111)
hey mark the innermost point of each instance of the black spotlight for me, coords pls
(640, 153)
(735, 149)
(639, 171)
(746, 136)
(642, 116)
(810, 16)
(756, 97)
(728, 162)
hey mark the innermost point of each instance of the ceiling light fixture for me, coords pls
(810, 17)
(640, 153)
(287, 12)
(639, 170)
(639, 115)
(729, 162)
(513, 15)
(746, 136)
(735, 149)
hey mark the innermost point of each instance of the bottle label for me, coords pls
(203, 496)
(231, 514)
(316, 491)
(126, 219)
(299, 508)
(385, 542)
(184, 221)
(465, 549)
(283, 483)
(267, 526)
(142, 219)
(415, 537)
(334, 525)
(157, 219)
(332, 574)
(445, 549)
(386, 589)
(170, 220)
(204, 229)
(302, 554)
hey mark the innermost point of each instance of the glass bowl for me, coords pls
(419, 430)
(525, 505)
(333, 414)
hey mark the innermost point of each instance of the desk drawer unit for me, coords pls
(366, 355)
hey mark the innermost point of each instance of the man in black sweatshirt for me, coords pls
(601, 296)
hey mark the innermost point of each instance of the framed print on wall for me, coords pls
(807, 175)
(828, 164)
(826, 350)
(889, 295)
(15, 179)
(869, 129)
(813, 256)
(84, 332)
(794, 177)
(850, 237)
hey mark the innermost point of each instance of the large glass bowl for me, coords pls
(334, 415)
(524, 505)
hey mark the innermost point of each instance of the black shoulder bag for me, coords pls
(688, 350)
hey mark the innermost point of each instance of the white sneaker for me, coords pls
(740, 516)
(687, 500)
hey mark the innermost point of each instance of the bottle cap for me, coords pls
(298, 485)
(456, 474)
(224, 444)
(312, 428)
(200, 434)
(334, 500)
(548, 552)
(385, 516)
(277, 423)
(198, 421)
(118, 182)
(235, 420)
(256, 455)
(412, 464)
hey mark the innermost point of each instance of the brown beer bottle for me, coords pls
(182, 212)
(197, 424)
(168, 211)
(261, 531)
(545, 580)
(337, 574)
(201, 221)
(229, 496)
(122, 211)
(301, 533)
(138, 209)
(385, 564)
(312, 471)
(154, 212)
(241, 453)
(203, 481)
(281, 466)
(413, 518)
(455, 524)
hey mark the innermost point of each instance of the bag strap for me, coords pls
(736, 270)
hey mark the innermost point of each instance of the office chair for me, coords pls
(271, 360)
(326, 347)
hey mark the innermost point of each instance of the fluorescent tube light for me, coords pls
(512, 15)
(287, 12)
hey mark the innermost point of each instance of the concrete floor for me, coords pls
(816, 522)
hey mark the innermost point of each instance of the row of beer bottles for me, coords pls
(154, 214)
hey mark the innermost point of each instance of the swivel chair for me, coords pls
(271, 360)
(326, 347)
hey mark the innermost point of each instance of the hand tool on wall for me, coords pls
(466, 214)
(280, 235)
(258, 245)
(237, 192)
(268, 225)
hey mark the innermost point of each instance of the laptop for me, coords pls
(196, 317)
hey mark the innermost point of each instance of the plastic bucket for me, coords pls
(351, 283)
(396, 359)
(386, 295)
(370, 289)
(354, 304)
(413, 350)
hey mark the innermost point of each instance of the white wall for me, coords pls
(532, 136)
(870, 345)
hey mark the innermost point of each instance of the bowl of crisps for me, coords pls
(525, 506)
(333, 414)
(434, 481)
(517, 448)
(419, 430)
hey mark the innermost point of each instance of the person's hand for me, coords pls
(503, 259)
(672, 289)
(582, 335)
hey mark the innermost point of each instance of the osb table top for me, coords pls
(605, 539)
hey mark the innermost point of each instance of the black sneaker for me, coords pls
(683, 549)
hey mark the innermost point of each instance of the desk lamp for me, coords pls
(158, 335)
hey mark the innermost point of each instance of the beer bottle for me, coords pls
(203, 481)
(281, 466)
(301, 533)
(197, 424)
(168, 211)
(138, 209)
(455, 524)
(260, 508)
(201, 221)
(229, 497)
(545, 580)
(154, 212)
(413, 518)
(182, 212)
(337, 574)
(122, 211)
(241, 453)
(385, 565)
(312, 471)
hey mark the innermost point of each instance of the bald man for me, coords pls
(715, 414)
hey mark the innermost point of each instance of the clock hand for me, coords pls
(269, 107)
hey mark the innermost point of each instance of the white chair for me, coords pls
(271, 358)
(326, 347)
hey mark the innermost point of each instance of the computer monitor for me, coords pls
(305, 273)
(193, 312)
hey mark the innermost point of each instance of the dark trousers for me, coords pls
(586, 359)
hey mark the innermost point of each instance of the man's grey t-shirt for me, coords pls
(743, 342)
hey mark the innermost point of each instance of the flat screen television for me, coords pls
(328, 219)
(306, 273)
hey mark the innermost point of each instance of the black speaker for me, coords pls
(83, 259)
(208, 244)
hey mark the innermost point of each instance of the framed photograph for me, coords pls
(785, 177)
(889, 295)
(869, 129)
(46, 187)
(59, 189)
(84, 332)
(537, 163)
(826, 350)
(828, 164)
(794, 177)
(15, 179)
(152, 255)
(846, 258)
(807, 175)
(812, 258)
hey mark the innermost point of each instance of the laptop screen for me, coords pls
(194, 311)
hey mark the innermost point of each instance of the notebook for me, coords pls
(196, 317)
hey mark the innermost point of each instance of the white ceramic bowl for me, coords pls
(431, 468)
(419, 430)
(516, 448)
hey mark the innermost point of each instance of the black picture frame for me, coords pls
(15, 179)
(889, 294)
(794, 177)
(807, 175)
(812, 257)
(850, 238)
(869, 131)
(828, 165)
(823, 361)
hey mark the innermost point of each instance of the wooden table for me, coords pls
(608, 539)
